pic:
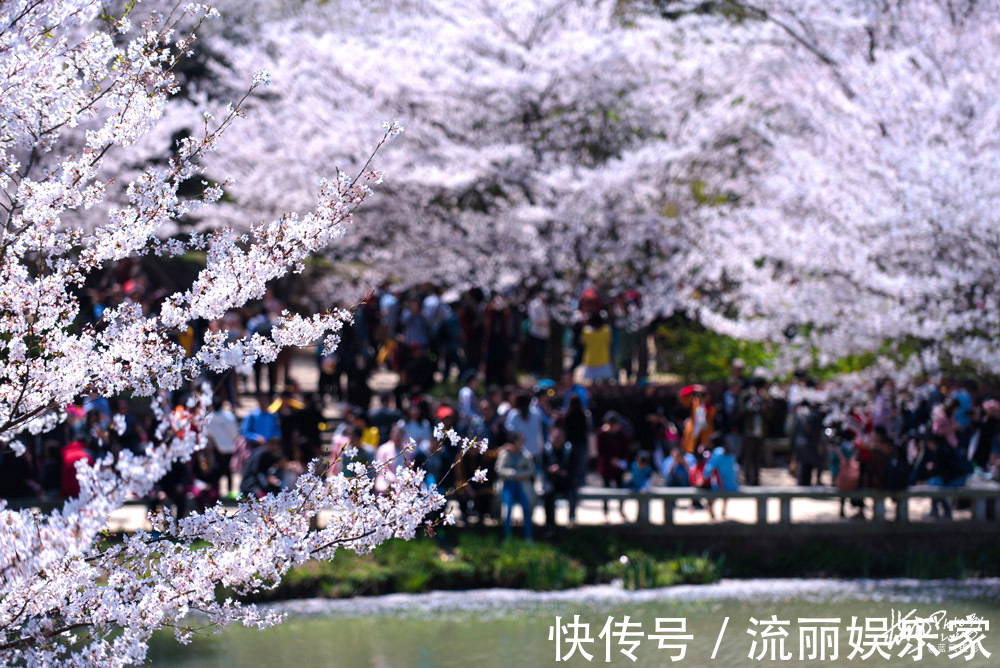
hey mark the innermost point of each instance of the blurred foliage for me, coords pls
(476, 557)
(848, 364)
(516, 563)
(419, 565)
(640, 570)
(593, 554)
(696, 354)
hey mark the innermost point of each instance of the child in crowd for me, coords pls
(641, 472)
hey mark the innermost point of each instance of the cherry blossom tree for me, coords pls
(81, 87)
(873, 226)
(554, 143)
(814, 174)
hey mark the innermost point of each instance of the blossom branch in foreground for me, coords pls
(75, 95)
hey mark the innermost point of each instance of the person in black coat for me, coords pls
(307, 423)
(557, 466)
(577, 426)
(943, 468)
(988, 426)
(261, 471)
(806, 432)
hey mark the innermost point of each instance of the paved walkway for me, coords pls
(743, 511)
(304, 370)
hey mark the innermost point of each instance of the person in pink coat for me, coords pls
(390, 455)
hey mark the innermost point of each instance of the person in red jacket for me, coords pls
(74, 451)
(612, 453)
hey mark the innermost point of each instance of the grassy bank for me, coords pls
(472, 558)
(479, 559)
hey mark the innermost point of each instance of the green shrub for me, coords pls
(517, 563)
(639, 570)
(481, 560)
(412, 565)
(480, 551)
(536, 566)
(688, 570)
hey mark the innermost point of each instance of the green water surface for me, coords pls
(517, 636)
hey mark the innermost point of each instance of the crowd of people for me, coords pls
(599, 419)
(424, 332)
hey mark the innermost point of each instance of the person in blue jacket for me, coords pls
(720, 471)
(261, 426)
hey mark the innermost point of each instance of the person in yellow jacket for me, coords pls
(369, 432)
(596, 340)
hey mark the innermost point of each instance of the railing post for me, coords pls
(786, 510)
(879, 503)
(643, 501)
(668, 512)
(761, 510)
(903, 509)
(979, 509)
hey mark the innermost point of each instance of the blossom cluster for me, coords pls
(814, 174)
(82, 90)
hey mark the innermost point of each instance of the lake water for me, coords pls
(510, 629)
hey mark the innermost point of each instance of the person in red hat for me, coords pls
(590, 303)
(447, 416)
